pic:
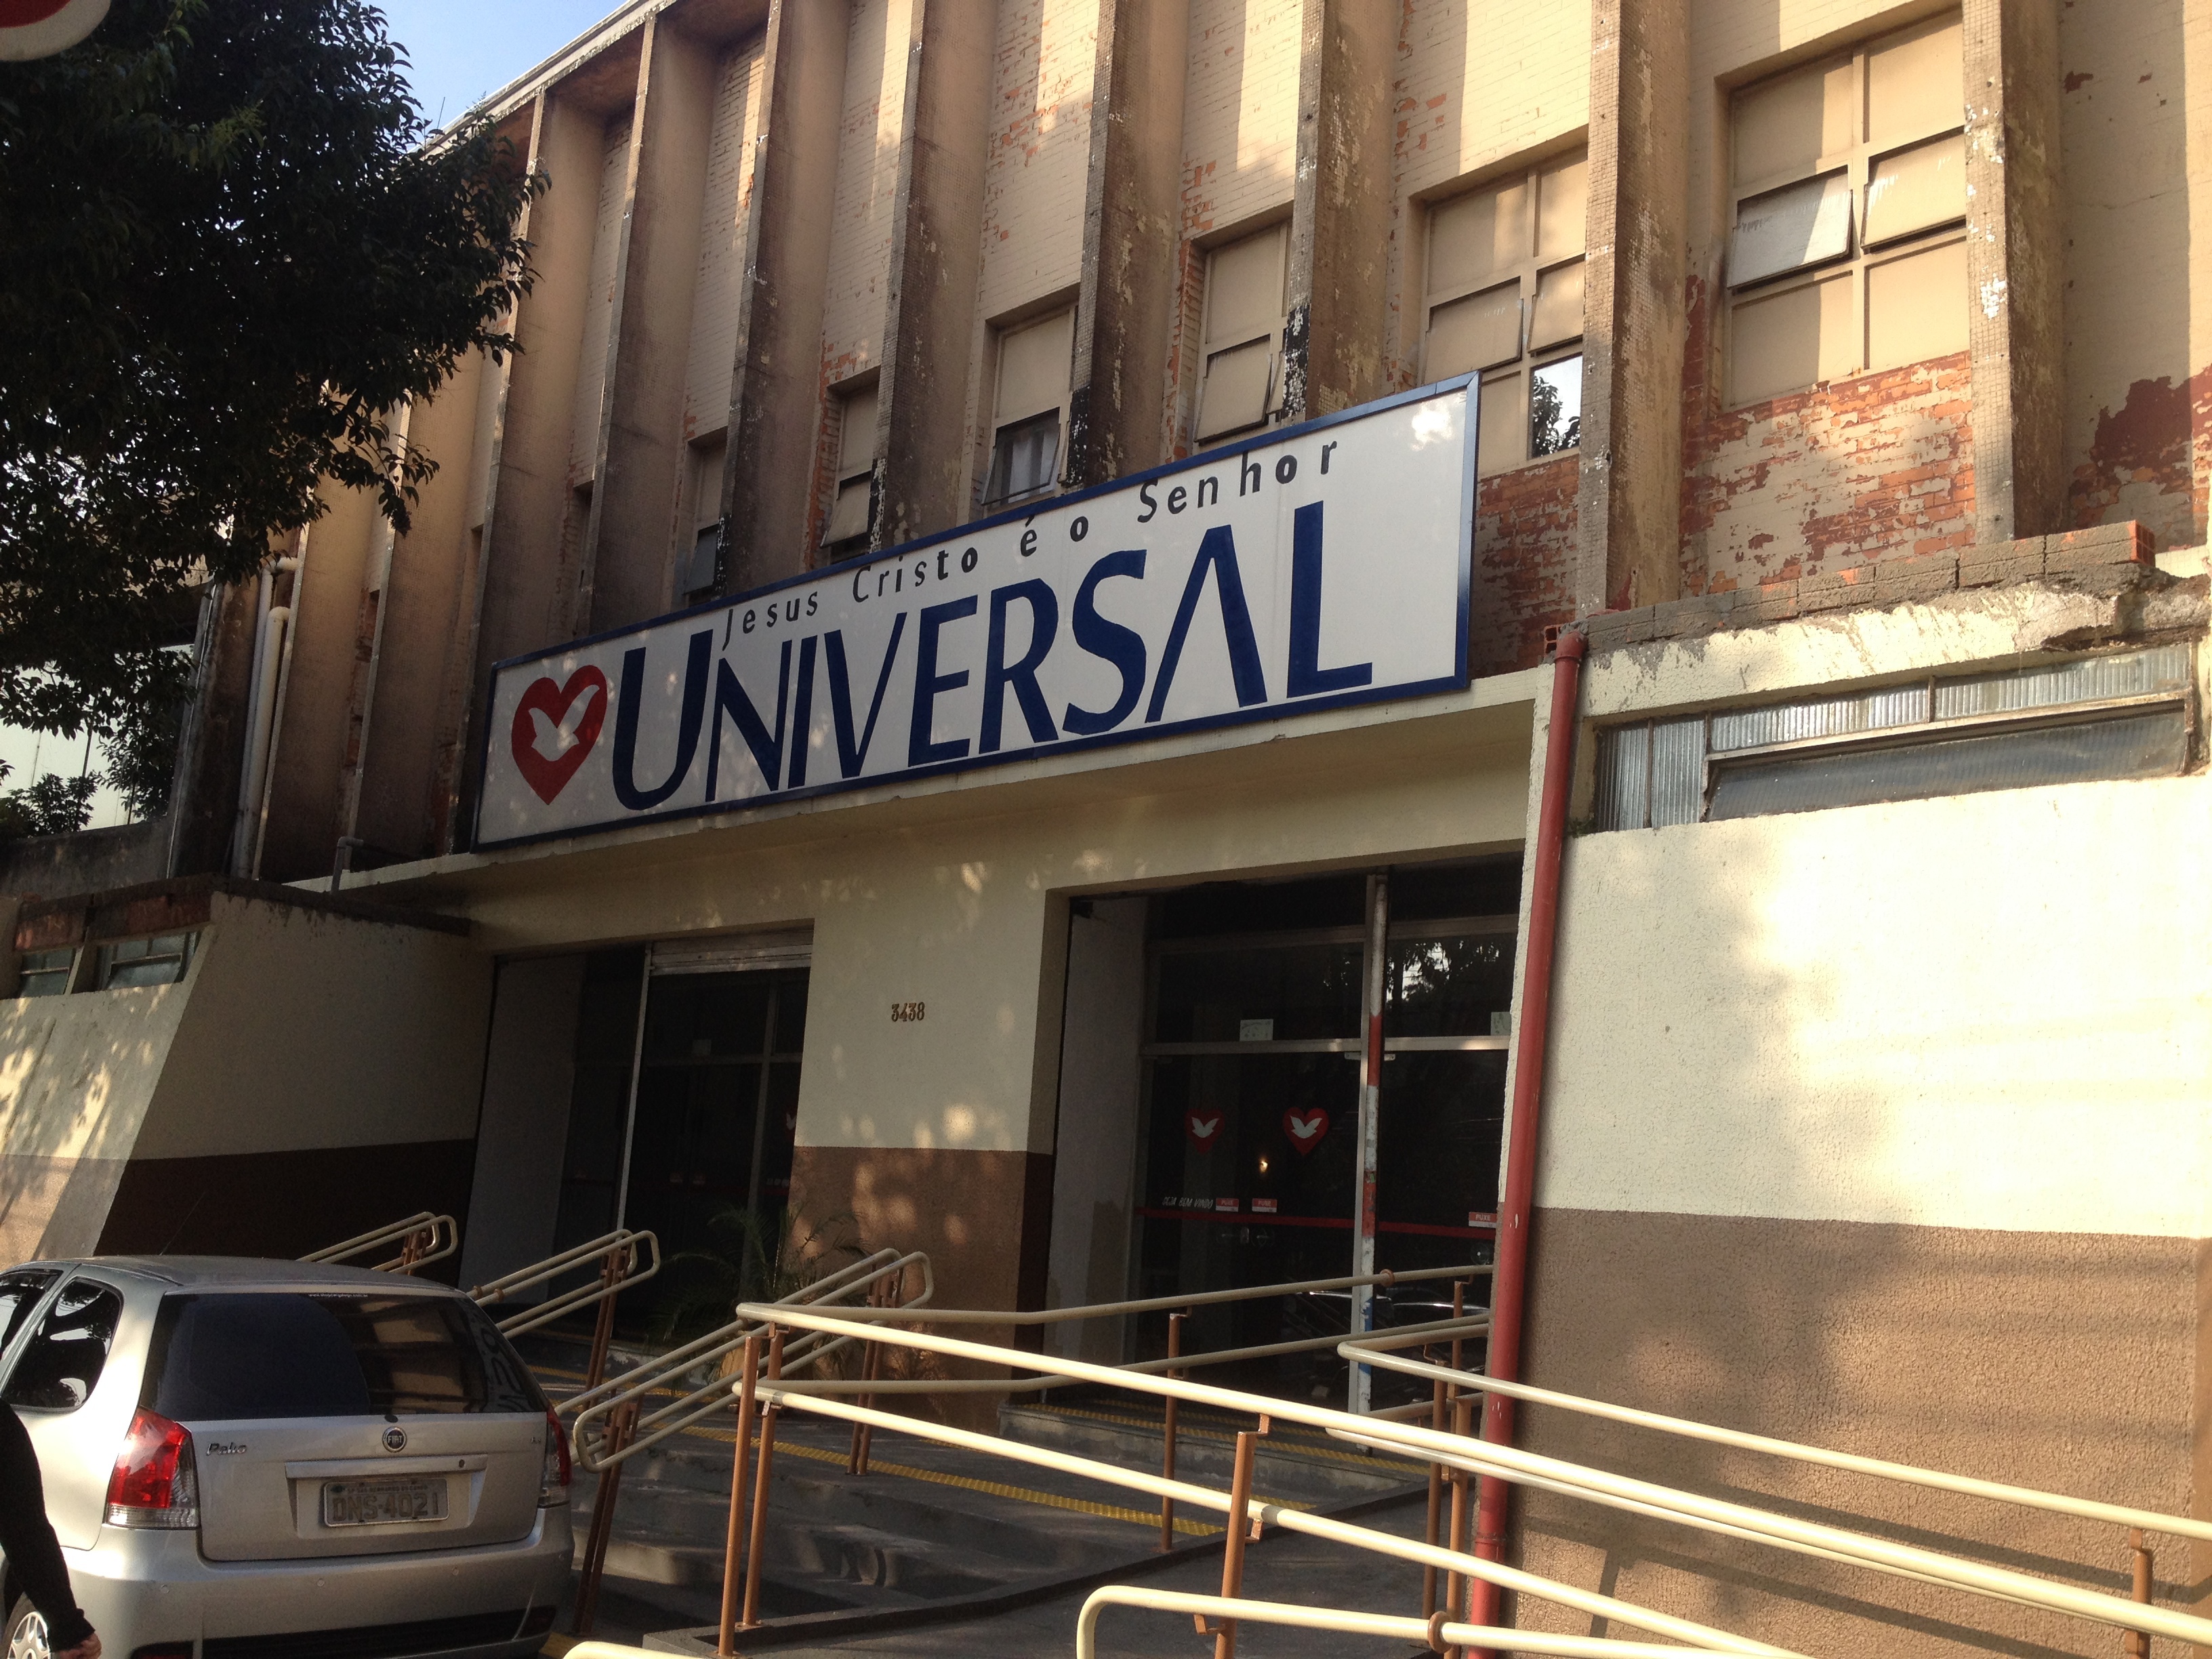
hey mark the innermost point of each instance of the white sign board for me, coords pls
(1310, 567)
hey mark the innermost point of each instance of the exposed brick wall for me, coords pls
(1850, 471)
(1524, 562)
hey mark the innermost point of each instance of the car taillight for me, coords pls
(154, 1483)
(553, 1476)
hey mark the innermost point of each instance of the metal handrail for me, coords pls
(594, 1407)
(445, 1238)
(1268, 1514)
(622, 1242)
(1528, 1468)
(1423, 1630)
(2084, 1509)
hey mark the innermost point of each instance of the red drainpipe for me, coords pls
(1508, 1284)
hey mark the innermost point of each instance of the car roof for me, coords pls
(207, 1272)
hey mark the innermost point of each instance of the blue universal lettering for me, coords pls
(687, 726)
(852, 755)
(1217, 553)
(802, 706)
(1110, 641)
(1022, 676)
(928, 684)
(1307, 675)
(731, 699)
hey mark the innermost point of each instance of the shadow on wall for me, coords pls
(1773, 1071)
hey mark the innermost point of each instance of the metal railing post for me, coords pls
(1461, 1514)
(1441, 1396)
(1168, 1435)
(1233, 1549)
(603, 1328)
(884, 1293)
(725, 1645)
(603, 1524)
(2138, 1641)
(756, 1548)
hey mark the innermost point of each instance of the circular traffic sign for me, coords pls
(40, 28)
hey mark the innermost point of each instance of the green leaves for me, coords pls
(231, 257)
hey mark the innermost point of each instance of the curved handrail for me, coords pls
(444, 1239)
(622, 1241)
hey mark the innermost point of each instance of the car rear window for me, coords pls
(263, 1354)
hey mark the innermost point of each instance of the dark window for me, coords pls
(145, 960)
(46, 973)
(1023, 460)
(229, 1357)
(60, 1368)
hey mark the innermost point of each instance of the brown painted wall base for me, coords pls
(985, 1218)
(284, 1204)
(2071, 1363)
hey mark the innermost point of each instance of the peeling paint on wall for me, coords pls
(1524, 562)
(2149, 461)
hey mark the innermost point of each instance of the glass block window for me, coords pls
(2093, 719)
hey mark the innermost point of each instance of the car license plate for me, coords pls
(382, 1501)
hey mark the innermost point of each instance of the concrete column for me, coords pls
(937, 229)
(1634, 313)
(627, 577)
(1132, 223)
(775, 392)
(1335, 341)
(2015, 267)
(203, 796)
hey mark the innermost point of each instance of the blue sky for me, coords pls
(463, 49)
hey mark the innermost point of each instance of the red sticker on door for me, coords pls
(555, 727)
(1307, 1128)
(1203, 1126)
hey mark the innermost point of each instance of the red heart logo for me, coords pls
(1307, 1129)
(1203, 1126)
(555, 727)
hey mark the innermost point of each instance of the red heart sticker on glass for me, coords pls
(555, 727)
(1307, 1129)
(1203, 1126)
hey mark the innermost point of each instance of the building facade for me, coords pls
(1838, 370)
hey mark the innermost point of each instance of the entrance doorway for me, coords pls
(1251, 1165)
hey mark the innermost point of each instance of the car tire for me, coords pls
(27, 1633)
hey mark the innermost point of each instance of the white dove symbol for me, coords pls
(1203, 1127)
(553, 741)
(1305, 1129)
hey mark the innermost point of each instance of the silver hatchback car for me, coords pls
(268, 1460)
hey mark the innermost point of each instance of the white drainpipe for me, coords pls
(261, 714)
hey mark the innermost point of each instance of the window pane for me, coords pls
(1917, 307)
(19, 1295)
(1555, 407)
(1557, 316)
(850, 517)
(1023, 460)
(63, 1362)
(1917, 189)
(46, 973)
(2136, 746)
(2092, 679)
(1033, 368)
(1624, 778)
(1473, 237)
(1244, 289)
(1562, 203)
(1824, 717)
(1790, 123)
(699, 568)
(1678, 772)
(1798, 225)
(1915, 83)
(856, 452)
(1479, 331)
(1501, 438)
(1235, 395)
(1786, 342)
(1306, 990)
(1447, 986)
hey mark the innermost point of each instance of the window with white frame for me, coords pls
(1503, 297)
(1847, 248)
(1241, 375)
(852, 508)
(2125, 715)
(1029, 409)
